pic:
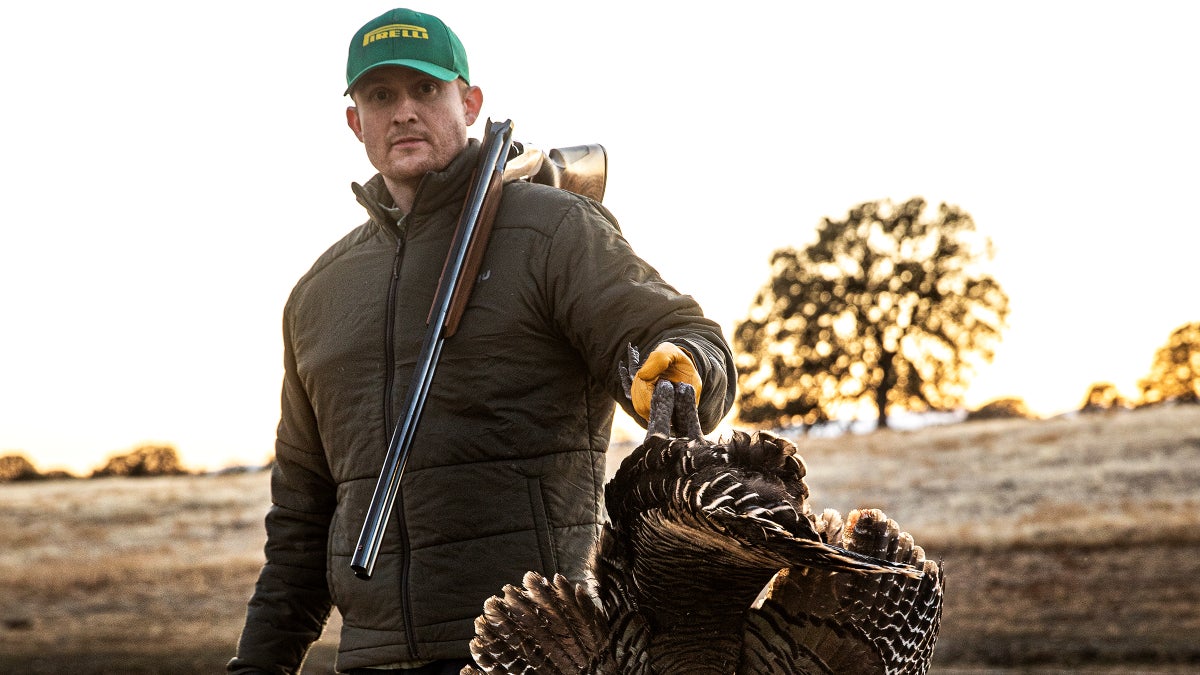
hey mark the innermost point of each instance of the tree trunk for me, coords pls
(886, 384)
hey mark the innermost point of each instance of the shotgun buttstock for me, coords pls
(582, 169)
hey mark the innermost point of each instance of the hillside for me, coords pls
(1068, 543)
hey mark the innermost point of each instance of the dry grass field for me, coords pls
(1070, 545)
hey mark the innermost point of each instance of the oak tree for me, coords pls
(1175, 371)
(889, 309)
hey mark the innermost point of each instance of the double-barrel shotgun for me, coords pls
(581, 169)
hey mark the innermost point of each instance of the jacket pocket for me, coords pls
(541, 526)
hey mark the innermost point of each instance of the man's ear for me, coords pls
(473, 103)
(353, 122)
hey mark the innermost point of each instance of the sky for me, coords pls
(170, 170)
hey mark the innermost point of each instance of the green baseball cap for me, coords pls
(406, 38)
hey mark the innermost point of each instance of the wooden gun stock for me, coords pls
(582, 169)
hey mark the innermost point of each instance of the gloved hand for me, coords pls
(666, 362)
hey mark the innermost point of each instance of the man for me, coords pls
(506, 470)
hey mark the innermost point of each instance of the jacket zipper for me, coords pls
(390, 355)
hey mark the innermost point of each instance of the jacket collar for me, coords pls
(437, 190)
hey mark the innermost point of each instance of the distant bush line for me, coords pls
(163, 460)
(143, 461)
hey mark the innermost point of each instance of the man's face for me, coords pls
(411, 123)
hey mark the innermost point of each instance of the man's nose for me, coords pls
(405, 110)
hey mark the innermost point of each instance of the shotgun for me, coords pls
(469, 241)
(582, 169)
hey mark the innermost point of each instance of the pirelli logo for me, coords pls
(395, 30)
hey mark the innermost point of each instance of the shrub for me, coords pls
(1103, 396)
(1002, 408)
(147, 460)
(16, 467)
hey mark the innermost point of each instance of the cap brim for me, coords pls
(423, 66)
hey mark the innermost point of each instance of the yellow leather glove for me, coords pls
(666, 362)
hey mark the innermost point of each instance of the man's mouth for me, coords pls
(407, 141)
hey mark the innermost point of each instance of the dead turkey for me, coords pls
(713, 562)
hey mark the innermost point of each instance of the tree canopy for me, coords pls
(887, 309)
(1175, 371)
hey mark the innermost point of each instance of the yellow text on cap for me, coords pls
(395, 30)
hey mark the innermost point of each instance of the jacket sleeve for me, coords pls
(605, 297)
(291, 600)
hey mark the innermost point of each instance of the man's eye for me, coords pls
(428, 88)
(380, 95)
